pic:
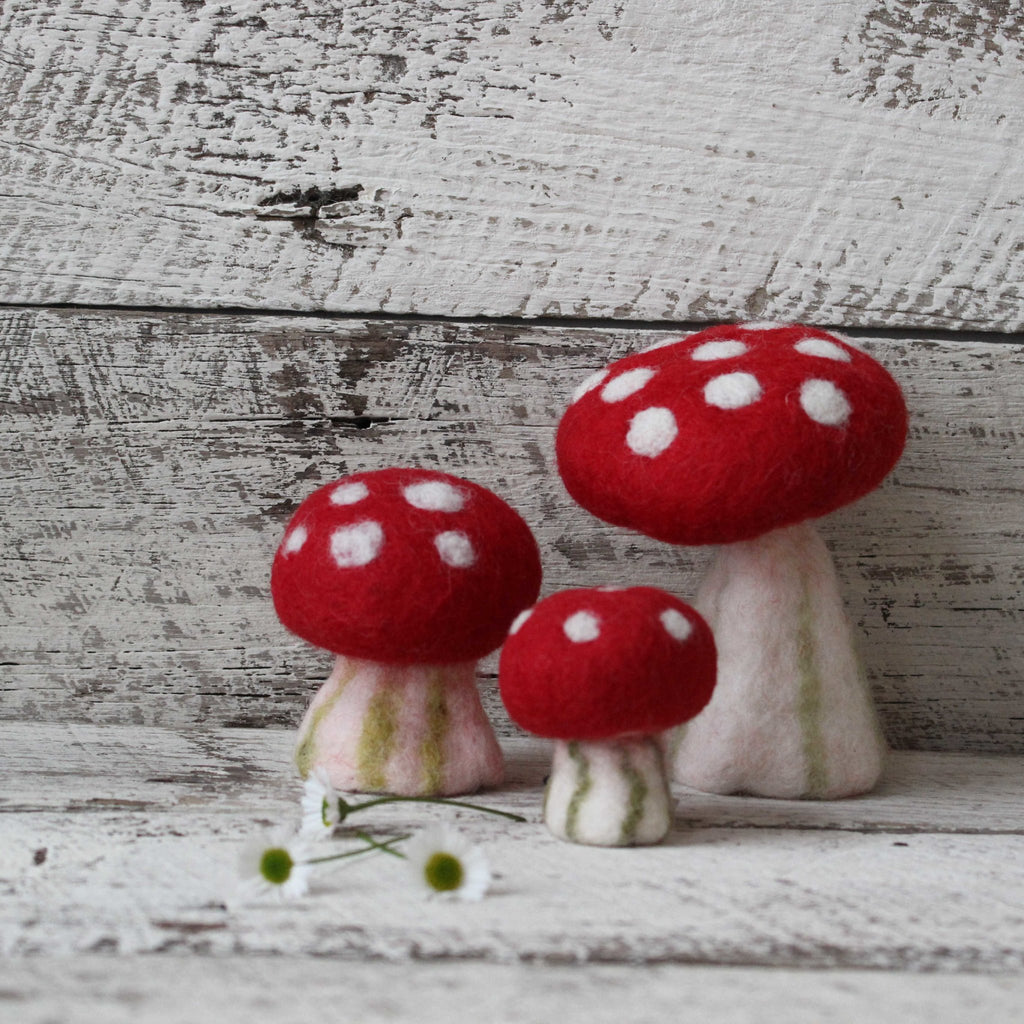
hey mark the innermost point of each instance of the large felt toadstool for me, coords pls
(738, 436)
(604, 673)
(409, 576)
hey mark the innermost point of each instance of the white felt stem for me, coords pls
(411, 730)
(613, 793)
(792, 714)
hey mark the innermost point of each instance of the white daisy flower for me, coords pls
(275, 865)
(321, 809)
(444, 863)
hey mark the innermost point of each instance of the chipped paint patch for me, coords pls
(939, 56)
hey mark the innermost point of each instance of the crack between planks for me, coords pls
(521, 323)
(128, 806)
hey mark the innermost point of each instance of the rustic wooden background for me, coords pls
(247, 247)
(151, 460)
(850, 162)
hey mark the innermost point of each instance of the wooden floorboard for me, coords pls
(237, 990)
(125, 840)
(104, 767)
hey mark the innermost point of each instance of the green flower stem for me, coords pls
(345, 809)
(383, 847)
(372, 845)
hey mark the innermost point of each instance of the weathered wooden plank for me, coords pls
(99, 870)
(838, 162)
(148, 464)
(226, 990)
(77, 768)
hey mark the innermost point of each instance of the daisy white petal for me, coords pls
(444, 863)
(320, 810)
(276, 864)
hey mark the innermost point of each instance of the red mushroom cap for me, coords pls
(730, 433)
(405, 566)
(598, 664)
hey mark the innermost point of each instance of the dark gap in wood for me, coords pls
(313, 197)
(283, 720)
(521, 323)
(360, 422)
(681, 827)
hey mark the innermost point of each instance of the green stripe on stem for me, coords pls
(637, 798)
(809, 702)
(583, 784)
(379, 737)
(432, 749)
(305, 752)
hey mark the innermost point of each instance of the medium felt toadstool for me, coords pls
(738, 436)
(409, 576)
(604, 672)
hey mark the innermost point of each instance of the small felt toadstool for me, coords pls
(738, 436)
(603, 673)
(409, 576)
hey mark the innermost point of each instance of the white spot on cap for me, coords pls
(676, 624)
(610, 590)
(294, 541)
(582, 627)
(455, 549)
(626, 384)
(824, 403)
(358, 544)
(517, 622)
(651, 431)
(348, 494)
(434, 496)
(824, 348)
(726, 349)
(589, 384)
(732, 390)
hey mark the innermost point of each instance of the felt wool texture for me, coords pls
(730, 433)
(405, 566)
(601, 663)
(408, 730)
(791, 715)
(613, 793)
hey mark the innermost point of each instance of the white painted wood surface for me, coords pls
(123, 840)
(850, 162)
(149, 462)
(185, 990)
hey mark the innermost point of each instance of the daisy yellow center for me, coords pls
(276, 865)
(443, 872)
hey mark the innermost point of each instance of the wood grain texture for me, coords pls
(238, 990)
(124, 840)
(847, 162)
(75, 768)
(148, 464)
